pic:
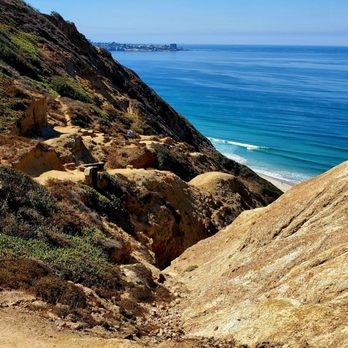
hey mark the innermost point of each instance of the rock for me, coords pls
(74, 326)
(38, 159)
(71, 149)
(227, 188)
(161, 278)
(34, 118)
(132, 156)
(277, 274)
(167, 210)
(69, 166)
(168, 141)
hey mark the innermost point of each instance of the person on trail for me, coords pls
(130, 133)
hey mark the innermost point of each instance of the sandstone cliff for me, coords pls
(88, 257)
(54, 83)
(81, 260)
(277, 274)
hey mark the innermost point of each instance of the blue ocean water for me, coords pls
(283, 111)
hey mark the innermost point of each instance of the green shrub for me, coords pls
(16, 274)
(110, 202)
(174, 162)
(55, 290)
(66, 86)
(25, 205)
(81, 262)
(9, 111)
(34, 276)
(100, 112)
(30, 230)
(42, 86)
(19, 50)
(134, 122)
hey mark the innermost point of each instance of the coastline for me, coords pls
(281, 184)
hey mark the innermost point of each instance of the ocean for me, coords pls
(283, 111)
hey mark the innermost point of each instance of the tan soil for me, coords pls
(23, 330)
(276, 274)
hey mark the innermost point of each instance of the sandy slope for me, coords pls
(277, 274)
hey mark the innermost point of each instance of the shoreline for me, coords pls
(281, 184)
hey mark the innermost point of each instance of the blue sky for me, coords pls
(317, 22)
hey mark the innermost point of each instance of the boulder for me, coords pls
(34, 118)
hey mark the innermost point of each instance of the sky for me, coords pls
(289, 22)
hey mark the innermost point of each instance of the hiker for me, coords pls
(130, 133)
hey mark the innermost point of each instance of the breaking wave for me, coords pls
(235, 143)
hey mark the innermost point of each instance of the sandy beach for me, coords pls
(281, 184)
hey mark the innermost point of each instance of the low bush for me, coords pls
(100, 113)
(55, 290)
(31, 229)
(26, 207)
(11, 106)
(174, 162)
(22, 273)
(38, 278)
(110, 202)
(66, 86)
(19, 50)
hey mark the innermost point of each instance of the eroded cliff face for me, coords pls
(54, 82)
(168, 214)
(88, 257)
(54, 57)
(276, 274)
(34, 118)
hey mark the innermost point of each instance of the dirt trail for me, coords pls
(35, 332)
(77, 175)
(69, 128)
(72, 175)
(65, 109)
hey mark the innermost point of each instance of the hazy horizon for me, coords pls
(247, 22)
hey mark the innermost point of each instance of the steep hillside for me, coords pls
(56, 87)
(52, 56)
(276, 274)
(85, 250)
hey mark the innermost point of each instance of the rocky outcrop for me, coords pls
(63, 51)
(34, 118)
(133, 154)
(167, 214)
(277, 274)
(80, 87)
(38, 160)
(227, 188)
(71, 149)
(29, 156)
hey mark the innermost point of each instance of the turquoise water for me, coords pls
(283, 111)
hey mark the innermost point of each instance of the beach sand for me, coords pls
(281, 184)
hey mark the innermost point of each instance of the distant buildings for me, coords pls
(114, 46)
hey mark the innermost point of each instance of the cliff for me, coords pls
(82, 252)
(276, 274)
(54, 82)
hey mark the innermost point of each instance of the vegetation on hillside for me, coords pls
(29, 229)
(51, 240)
(19, 50)
(66, 86)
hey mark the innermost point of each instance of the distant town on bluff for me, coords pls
(113, 46)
